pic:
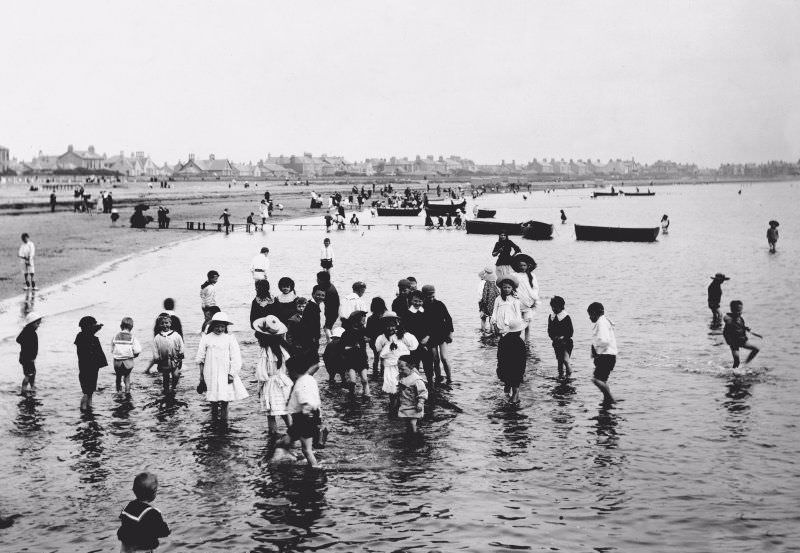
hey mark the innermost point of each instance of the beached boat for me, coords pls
(493, 227)
(435, 209)
(601, 194)
(638, 193)
(485, 213)
(534, 230)
(616, 234)
(399, 211)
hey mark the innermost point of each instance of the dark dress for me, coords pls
(714, 294)
(441, 323)
(283, 310)
(561, 328)
(90, 359)
(307, 340)
(258, 311)
(400, 305)
(507, 250)
(511, 358)
(374, 328)
(354, 348)
(331, 306)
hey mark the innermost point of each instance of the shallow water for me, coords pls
(695, 457)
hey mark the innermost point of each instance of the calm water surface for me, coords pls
(694, 459)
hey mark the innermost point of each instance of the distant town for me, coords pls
(140, 165)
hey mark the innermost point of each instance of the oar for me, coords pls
(756, 334)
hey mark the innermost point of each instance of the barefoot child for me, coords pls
(391, 345)
(715, 297)
(220, 360)
(124, 348)
(28, 342)
(604, 349)
(559, 328)
(304, 406)
(90, 358)
(489, 293)
(141, 523)
(412, 393)
(354, 346)
(512, 356)
(735, 333)
(168, 352)
(772, 235)
(274, 383)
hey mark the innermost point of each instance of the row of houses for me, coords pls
(135, 165)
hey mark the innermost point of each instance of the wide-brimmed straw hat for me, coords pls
(221, 317)
(337, 332)
(517, 325)
(32, 317)
(523, 257)
(509, 278)
(720, 276)
(390, 315)
(487, 274)
(269, 325)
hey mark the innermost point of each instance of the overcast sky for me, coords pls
(698, 81)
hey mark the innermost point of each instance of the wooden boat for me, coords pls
(485, 213)
(435, 209)
(638, 193)
(493, 227)
(601, 194)
(534, 230)
(616, 234)
(399, 211)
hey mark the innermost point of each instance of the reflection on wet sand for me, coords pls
(737, 406)
(90, 462)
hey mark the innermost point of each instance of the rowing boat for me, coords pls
(638, 193)
(493, 227)
(616, 234)
(399, 211)
(485, 213)
(601, 194)
(435, 209)
(534, 230)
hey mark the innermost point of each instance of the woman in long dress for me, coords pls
(220, 362)
(528, 289)
(274, 384)
(504, 250)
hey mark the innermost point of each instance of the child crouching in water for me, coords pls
(124, 348)
(735, 333)
(412, 393)
(304, 408)
(142, 523)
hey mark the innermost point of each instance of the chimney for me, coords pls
(191, 157)
(91, 149)
(69, 148)
(211, 157)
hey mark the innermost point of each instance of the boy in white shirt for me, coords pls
(303, 405)
(604, 349)
(326, 255)
(26, 252)
(124, 348)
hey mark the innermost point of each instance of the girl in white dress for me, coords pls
(391, 345)
(220, 361)
(528, 289)
(507, 310)
(274, 384)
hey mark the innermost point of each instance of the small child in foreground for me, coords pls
(28, 342)
(124, 348)
(604, 349)
(412, 393)
(142, 523)
(735, 333)
(304, 407)
(168, 353)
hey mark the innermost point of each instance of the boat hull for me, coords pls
(604, 194)
(486, 213)
(493, 227)
(535, 230)
(435, 210)
(616, 234)
(398, 211)
(638, 193)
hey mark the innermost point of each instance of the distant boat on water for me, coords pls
(445, 208)
(648, 193)
(398, 211)
(616, 234)
(601, 194)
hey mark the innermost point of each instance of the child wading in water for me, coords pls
(511, 358)
(735, 333)
(354, 350)
(28, 342)
(772, 235)
(124, 348)
(90, 358)
(528, 289)
(168, 353)
(391, 345)
(559, 328)
(489, 293)
(507, 308)
(274, 383)
(412, 393)
(141, 523)
(604, 349)
(304, 406)
(220, 360)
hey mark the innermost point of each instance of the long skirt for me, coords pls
(511, 358)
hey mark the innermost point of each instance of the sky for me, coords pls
(704, 82)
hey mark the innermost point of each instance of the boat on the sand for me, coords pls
(435, 209)
(398, 211)
(493, 227)
(485, 213)
(535, 230)
(616, 234)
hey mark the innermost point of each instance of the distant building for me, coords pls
(80, 159)
(206, 168)
(5, 160)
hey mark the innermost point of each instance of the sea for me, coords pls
(694, 457)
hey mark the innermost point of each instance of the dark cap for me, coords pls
(428, 288)
(265, 250)
(404, 283)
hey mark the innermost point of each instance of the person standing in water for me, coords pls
(715, 298)
(604, 349)
(90, 358)
(735, 333)
(772, 235)
(504, 251)
(563, 217)
(26, 252)
(28, 342)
